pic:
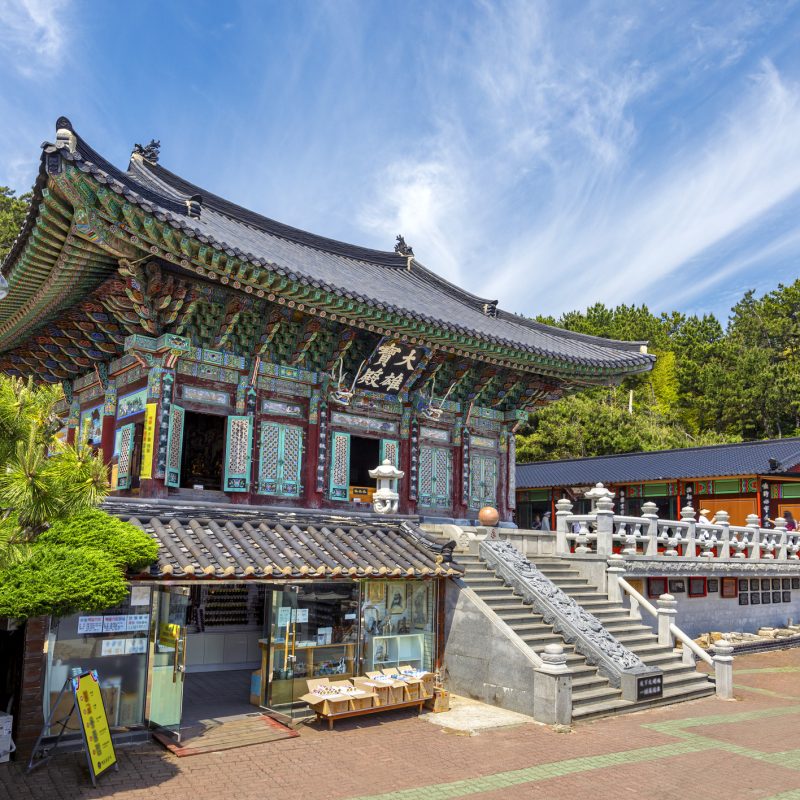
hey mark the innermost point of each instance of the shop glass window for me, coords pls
(113, 642)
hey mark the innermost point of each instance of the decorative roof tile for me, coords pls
(199, 541)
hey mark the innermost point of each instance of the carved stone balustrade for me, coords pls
(602, 532)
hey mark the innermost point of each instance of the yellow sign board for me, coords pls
(148, 439)
(168, 635)
(94, 722)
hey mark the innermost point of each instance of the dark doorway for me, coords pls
(364, 455)
(203, 451)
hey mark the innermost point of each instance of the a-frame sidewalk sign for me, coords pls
(88, 705)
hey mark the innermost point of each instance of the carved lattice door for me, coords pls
(390, 448)
(177, 417)
(280, 460)
(435, 477)
(339, 483)
(483, 481)
(238, 451)
(125, 456)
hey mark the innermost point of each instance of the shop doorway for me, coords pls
(203, 455)
(206, 656)
(364, 456)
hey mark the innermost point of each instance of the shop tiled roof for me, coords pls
(768, 457)
(221, 542)
(387, 281)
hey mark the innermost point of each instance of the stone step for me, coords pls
(506, 604)
(572, 585)
(635, 639)
(588, 681)
(584, 697)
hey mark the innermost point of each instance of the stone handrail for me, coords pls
(668, 631)
(619, 665)
(602, 532)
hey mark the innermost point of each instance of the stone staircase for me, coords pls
(592, 694)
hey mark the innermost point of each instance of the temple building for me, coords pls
(216, 354)
(242, 379)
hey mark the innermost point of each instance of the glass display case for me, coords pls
(313, 633)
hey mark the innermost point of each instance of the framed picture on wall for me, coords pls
(730, 587)
(744, 599)
(396, 599)
(755, 599)
(712, 585)
(419, 605)
(656, 587)
(787, 597)
(697, 587)
(795, 583)
(376, 592)
(677, 586)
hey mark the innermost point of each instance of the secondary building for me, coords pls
(761, 478)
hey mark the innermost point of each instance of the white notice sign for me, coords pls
(140, 596)
(138, 622)
(136, 645)
(116, 623)
(90, 625)
(113, 647)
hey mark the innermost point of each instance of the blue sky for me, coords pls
(548, 154)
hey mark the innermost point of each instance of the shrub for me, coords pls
(60, 580)
(125, 544)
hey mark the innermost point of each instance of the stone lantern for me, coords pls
(386, 499)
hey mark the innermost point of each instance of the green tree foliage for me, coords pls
(60, 579)
(710, 384)
(12, 215)
(125, 544)
(58, 552)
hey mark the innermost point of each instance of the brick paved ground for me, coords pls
(708, 748)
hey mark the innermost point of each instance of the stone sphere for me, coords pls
(488, 517)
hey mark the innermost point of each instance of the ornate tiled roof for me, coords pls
(196, 541)
(172, 217)
(768, 457)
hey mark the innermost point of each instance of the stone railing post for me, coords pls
(667, 612)
(783, 538)
(687, 515)
(754, 524)
(650, 515)
(552, 688)
(616, 569)
(605, 526)
(563, 510)
(723, 669)
(724, 522)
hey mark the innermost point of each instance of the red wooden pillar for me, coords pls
(107, 437)
(28, 716)
(313, 497)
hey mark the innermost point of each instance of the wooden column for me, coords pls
(28, 714)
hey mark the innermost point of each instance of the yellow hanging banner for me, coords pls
(94, 722)
(148, 439)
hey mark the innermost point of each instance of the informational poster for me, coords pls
(284, 616)
(92, 715)
(148, 438)
(137, 622)
(90, 625)
(116, 623)
(113, 647)
(140, 596)
(135, 645)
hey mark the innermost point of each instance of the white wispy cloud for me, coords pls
(550, 161)
(33, 33)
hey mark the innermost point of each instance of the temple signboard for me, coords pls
(392, 367)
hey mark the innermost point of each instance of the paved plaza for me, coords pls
(747, 748)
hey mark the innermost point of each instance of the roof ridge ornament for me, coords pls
(404, 249)
(65, 135)
(149, 152)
